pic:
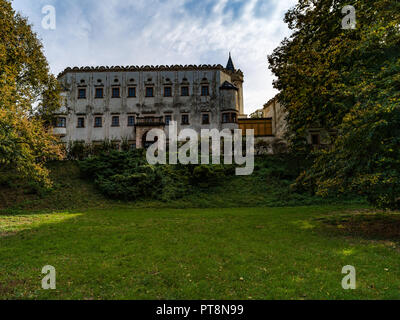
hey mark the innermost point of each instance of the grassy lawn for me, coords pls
(242, 253)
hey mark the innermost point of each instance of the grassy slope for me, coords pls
(73, 193)
(247, 253)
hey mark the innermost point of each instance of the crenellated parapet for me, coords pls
(150, 68)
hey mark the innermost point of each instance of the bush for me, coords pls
(128, 176)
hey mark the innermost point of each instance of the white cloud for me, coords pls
(154, 32)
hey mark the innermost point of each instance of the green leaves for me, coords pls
(346, 80)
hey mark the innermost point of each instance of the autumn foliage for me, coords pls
(28, 96)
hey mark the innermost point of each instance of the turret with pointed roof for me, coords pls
(230, 65)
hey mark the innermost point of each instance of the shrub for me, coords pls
(128, 176)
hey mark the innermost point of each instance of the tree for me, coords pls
(348, 80)
(29, 94)
(256, 114)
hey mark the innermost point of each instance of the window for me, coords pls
(98, 122)
(315, 139)
(167, 92)
(149, 92)
(61, 123)
(115, 93)
(234, 117)
(132, 146)
(229, 117)
(205, 91)
(205, 118)
(185, 91)
(131, 121)
(115, 121)
(131, 92)
(185, 119)
(81, 123)
(168, 119)
(82, 94)
(99, 93)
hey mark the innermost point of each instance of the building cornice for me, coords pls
(149, 68)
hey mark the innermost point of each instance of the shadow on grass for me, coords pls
(370, 226)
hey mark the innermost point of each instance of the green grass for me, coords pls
(237, 253)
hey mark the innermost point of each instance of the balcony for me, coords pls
(150, 121)
(60, 131)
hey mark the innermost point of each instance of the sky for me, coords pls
(165, 32)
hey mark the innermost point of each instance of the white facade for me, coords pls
(120, 103)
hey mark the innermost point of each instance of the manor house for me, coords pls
(124, 103)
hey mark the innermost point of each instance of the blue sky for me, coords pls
(161, 32)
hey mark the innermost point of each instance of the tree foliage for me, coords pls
(28, 96)
(348, 80)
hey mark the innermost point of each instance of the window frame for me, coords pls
(208, 117)
(96, 91)
(112, 92)
(152, 92)
(232, 117)
(167, 123)
(112, 121)
(62, 121)
(207, 87)
(101, 122)
(78, 122)
(129, 124)
(188, 119)
(170, 93)
(79, 93)
(129, 92)
(188, 91)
